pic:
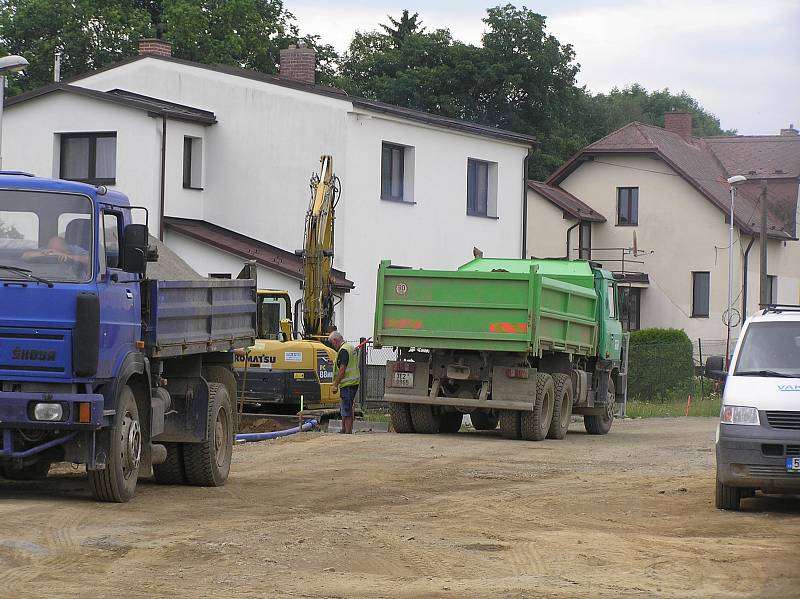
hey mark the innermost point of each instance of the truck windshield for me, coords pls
(770, 349)
(45, 235)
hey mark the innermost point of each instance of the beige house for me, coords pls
(651, 204)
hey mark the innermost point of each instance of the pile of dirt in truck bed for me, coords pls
(170, 266)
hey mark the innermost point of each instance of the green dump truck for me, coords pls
(526, 343)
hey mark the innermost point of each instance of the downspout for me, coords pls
(163, 176)
(744, 279)
(525, 205)
(569, 233)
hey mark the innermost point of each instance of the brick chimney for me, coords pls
(680, 123)
(155, 47)
(790, 131)
(298, 63)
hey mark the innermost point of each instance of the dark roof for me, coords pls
(567, 202)
(696, 162)
(264, 254)
(332, 92)
(758, 156)
(153, 106)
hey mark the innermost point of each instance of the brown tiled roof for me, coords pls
(758, 156)
(696, 162)
(264, 254)
(567, 202)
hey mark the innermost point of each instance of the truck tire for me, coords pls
(510, 424)
(562, 407)
(172, 471)
(425, 421)
(727, 498)
(450, 422)
(534, 425)
(483, 421)
(35, 471)
(400, 415)
(215, 373)
(117, 481)
(600, 424)
(207, 464)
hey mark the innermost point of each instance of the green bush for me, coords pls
(660, 364)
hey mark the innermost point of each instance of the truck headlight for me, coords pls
(739, 415)
(50, 412)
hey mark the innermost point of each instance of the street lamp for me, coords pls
(733, 182)
(8, 65)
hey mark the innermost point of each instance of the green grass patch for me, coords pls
(374, 415)
(646, 409)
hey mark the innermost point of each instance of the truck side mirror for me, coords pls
(134, 249)
(715, 368)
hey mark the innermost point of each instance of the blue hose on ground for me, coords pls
(307, 426)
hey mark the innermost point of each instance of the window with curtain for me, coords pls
(392, 172)
(89, 157)
(477, 187)
(627, 205)
(585, 240)
(701, 291)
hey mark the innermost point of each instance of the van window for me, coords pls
(770, 346)
(612, 304)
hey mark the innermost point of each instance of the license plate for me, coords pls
(404, 379)
(793, 464)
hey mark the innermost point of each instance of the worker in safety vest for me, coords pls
(347, 378)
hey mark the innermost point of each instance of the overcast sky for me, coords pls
(739, 58)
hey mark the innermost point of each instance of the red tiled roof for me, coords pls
(248, 248)
(759, 156)
(697, 163)
(567, 202)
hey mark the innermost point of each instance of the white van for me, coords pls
(758, 437)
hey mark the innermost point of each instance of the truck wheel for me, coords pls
(215, 373)
(425, 421)
(483, 421)
(727, 498)
(509, 424)
(600, 424)
(451, 422)
(117, 481)
(172, 471)
(562, 408)
(534, 425)
(207, 464)
(35, 471)
(400, 415)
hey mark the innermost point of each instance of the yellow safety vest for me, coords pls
(352, 374)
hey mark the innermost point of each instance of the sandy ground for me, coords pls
(386, 515)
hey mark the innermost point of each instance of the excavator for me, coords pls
(285, 364)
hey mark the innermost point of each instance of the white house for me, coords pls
(669, 192)
(221, 158)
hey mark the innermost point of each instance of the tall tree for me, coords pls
(400, 29)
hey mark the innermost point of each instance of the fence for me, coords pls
(656, 372)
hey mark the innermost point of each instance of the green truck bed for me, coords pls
(489, 304)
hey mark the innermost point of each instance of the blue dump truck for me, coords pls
(100, 363)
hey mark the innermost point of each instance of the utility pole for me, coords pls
(763, 280)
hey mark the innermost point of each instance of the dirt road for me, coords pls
(385, 515)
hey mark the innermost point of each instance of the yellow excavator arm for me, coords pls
(317, 251)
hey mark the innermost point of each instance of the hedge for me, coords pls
(660, 362)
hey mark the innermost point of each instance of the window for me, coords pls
(772, 289)
(392, 172)
(89, 157)
(585, 240)
(192, 163)
(701, 282)
(611, 301)
(111, 240)
(481, 188)
(630, 301)
(627, 205)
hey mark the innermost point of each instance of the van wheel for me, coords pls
(534, 425)
(727, 498)
(425, 421)
(400, 415)
(172, 471)
(117, 481)
(208, 463)
(509, 424)
(214, 373)
(600, 424)
(562, 408)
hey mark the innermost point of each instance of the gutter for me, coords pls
(525, 205)
(744, 278)
(569, 233)
(163, 176)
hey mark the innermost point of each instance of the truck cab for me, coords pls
(758, 437)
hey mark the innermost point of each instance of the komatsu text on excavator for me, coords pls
(286, 364)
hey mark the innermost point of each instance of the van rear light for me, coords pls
(517, 373)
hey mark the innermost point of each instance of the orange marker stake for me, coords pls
(688, 404)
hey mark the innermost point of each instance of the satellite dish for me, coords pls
(635, 245)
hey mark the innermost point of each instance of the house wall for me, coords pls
(547, 229)
(686, 233)
(31, 142)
